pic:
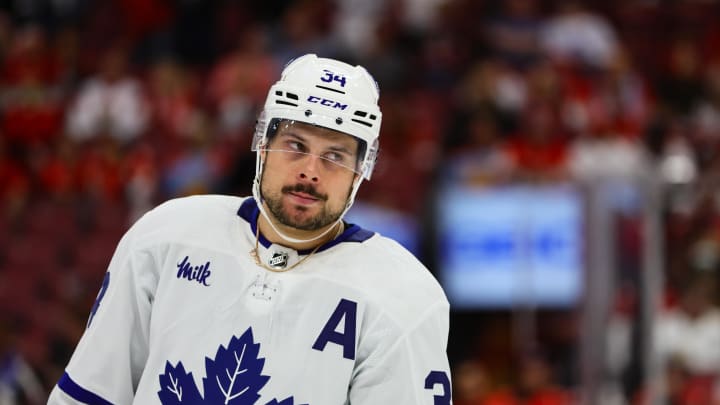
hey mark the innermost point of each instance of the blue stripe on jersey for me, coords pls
(79, 393)
(353, 233)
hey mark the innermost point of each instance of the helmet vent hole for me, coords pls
(367, 124)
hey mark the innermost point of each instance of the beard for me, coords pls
(325, 217)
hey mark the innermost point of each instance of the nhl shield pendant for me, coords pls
(279, 260)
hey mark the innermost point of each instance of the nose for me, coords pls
(309, 168)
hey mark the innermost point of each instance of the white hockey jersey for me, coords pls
(185, 316)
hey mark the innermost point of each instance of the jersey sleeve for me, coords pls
(413, 369)
(108, 361)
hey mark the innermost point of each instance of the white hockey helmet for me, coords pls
(326, 93)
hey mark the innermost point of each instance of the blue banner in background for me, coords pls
(518, 245)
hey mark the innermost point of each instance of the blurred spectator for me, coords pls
(110, 102)
(690, 332)
(196, 167)
(539, 150)
(462, 20)
(30, 58)
(617, 162)
(304, 27)
(606, 154)
(238, 83)
(172, 99)
(680, 387)
(31, 98)
(487, 86)
(614, 99)
(471, 383)
(677, 163)
(386, 55)
(489, 82)
(681, 87)
(356, 24)
(577, 35)
(482, 158)
(421, 15)
(513, 34)
(704, 251)
(440, 62)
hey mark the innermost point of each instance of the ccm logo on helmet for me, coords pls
(326, 102)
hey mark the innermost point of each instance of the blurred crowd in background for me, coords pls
(109, 107)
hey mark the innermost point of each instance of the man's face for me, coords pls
(308, 175)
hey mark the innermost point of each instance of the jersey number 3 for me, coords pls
(439, 377)
(101, 294)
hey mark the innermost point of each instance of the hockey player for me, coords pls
(272, 299)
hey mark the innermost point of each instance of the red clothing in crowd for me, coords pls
(538, 157)
(548, 396)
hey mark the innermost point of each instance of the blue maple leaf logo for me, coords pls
(233, 377)
(178, 386)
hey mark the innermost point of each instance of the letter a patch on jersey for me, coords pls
(345, 312)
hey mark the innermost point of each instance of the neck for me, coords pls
(270, 234)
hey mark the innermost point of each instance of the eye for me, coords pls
(336, 157)
(295, 146)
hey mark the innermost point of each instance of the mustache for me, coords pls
(304, 188)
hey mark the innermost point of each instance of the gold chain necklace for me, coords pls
(256, 255)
